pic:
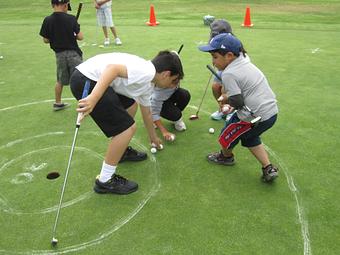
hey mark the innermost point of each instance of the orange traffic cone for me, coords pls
(152, 20)
(247, 22)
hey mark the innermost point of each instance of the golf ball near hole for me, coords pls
(153, 150)
(211, 130)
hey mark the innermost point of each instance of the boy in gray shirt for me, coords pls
(247, 88)
(169, 104)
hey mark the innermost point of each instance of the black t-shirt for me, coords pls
(61, 29)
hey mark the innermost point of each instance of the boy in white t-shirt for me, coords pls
(118, 82)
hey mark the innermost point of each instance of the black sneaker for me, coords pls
(117, 185)
(131, 154)
(270, 173)
(219, 158)
(61, 106)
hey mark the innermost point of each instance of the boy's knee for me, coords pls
(216, 87)
(133, 128)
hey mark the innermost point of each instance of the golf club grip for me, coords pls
(85, 94)
(214, 72)
(79, 10)
(180, 49)
(86, 89)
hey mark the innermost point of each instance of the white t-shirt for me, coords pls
(106, 5)
(140, 73)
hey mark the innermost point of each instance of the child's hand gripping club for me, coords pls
(80, 110)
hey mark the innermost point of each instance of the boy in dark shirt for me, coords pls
(61, 30)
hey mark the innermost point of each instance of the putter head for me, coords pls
(193, 117)
(54, 241)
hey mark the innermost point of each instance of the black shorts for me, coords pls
(252, 137)
(110, 112)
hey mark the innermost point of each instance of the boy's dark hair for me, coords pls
(237, 54)
(168, 61)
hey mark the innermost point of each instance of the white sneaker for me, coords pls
(180, 125)
(217, 115)
(107, 42)
(118, 41)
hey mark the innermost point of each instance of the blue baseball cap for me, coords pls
(224, 41)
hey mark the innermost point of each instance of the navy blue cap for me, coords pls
(224, 41)
(62, 2)
(220, 26)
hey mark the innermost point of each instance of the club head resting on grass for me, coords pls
(54, 242)
(193, 117)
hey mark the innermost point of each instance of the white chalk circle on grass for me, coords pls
(27, 177)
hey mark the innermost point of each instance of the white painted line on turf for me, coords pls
(10, 144)
(316, 50)
(28, 177)
(115, 227)
(32, 103)
(22, 178)
(300, 211)
(34, 168)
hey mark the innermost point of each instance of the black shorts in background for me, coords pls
(110, 112)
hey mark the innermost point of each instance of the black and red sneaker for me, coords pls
(116, 185)
(131, 154)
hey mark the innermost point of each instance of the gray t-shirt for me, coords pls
(243, 77)
(159, 96)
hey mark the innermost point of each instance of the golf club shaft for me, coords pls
(180, 49)
(214, 73)
(205, 92)
(79, 10)
(65, 181)
(85, 93)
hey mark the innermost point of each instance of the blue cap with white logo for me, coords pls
(224, 41)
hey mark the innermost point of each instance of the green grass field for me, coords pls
(184, 205)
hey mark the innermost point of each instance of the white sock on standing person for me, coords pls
(106, 172)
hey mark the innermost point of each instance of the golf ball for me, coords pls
(211, 130)
(172, 138)
(161, 146)
(153, 150)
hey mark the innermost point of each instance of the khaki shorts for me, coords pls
(66, 62)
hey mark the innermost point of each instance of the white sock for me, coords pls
(106, 172)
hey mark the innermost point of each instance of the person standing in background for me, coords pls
(61, 30)
(104, 19)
